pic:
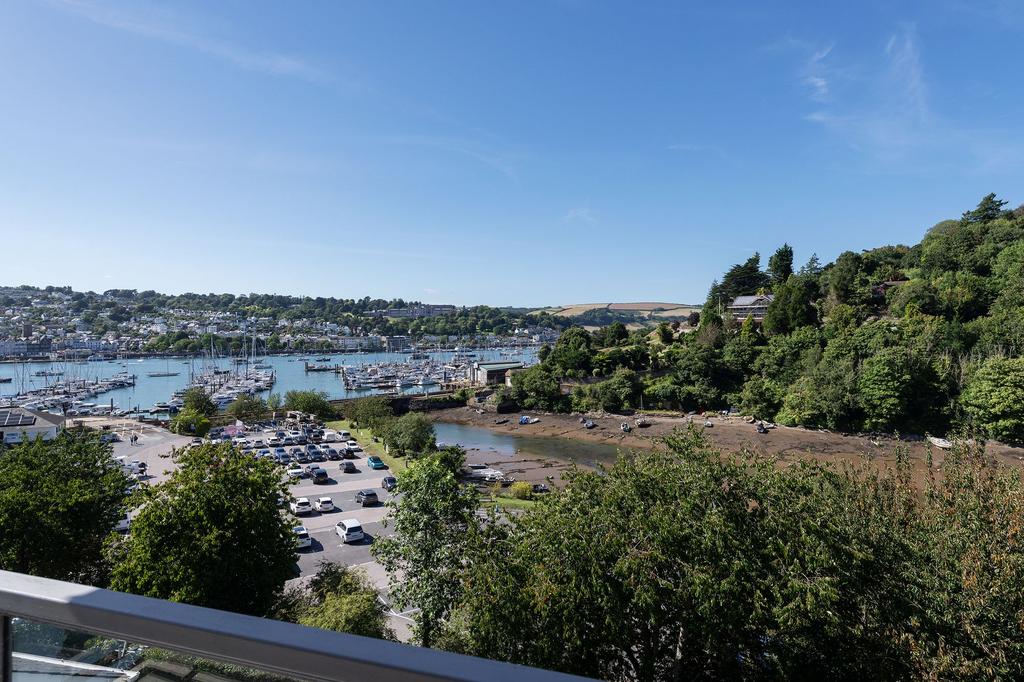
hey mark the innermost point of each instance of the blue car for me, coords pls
(375, 462)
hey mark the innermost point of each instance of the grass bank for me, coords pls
(365, 438)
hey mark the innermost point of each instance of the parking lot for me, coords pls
(341, 488)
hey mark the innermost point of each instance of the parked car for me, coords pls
(274, 442)
(333, 454)
(348, 467)
(348, 453)
(389, 483)
(319, 475)
(354, 445)
(287, 440)
(367, 498)
(295, 471)
(375, 462)
(349, 530)
(324, 504)
(302, 539)
(123, 524)
(301, 506)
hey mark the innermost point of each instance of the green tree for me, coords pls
(792, 306)
(537, 388)
(311, 402)
(247, 408)
(572, 354)
(372, 412)
(780, 265)
(210, 535)
(884, 387)
(411, 433)
(994, 399)
(989, 208)
(59, 500)
(432, 521)
(739, 280)
(692, 564)
(188, 422)
(197, 400)
(274, 402)
(665, 334)
(337, 598)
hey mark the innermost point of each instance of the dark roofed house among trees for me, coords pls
(750, 306)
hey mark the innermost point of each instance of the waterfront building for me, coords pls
(17, 423)
(487, 373)
(394, 344)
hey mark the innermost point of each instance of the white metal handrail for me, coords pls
(283, 648)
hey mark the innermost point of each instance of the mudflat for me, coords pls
(728, 433)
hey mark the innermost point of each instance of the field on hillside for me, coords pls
(648, 308)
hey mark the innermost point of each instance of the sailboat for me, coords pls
(641, 420)
(166, 373)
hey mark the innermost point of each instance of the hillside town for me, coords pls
(57, 323)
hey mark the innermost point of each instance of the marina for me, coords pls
(146, 384)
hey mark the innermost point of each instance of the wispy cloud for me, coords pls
(886, 113)
(266, 62)
(702, 150)
(815, 73)
(489, 155)
(580, 214)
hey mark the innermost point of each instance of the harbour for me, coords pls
(105, 385)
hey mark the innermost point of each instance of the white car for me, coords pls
(295, 471)
(302, 539)
(301, 506)
(123, 524)
(349, 530)
(330, 437)
(324, 504)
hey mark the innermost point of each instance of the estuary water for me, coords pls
(584, 453)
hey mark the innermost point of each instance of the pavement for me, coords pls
(153, 446)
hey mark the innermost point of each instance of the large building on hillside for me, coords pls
(425, 310)
(754, 307)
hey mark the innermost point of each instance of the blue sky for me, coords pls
(518, 153)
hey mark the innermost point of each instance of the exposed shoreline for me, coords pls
(786, 444)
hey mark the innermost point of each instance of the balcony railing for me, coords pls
(284, 649)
